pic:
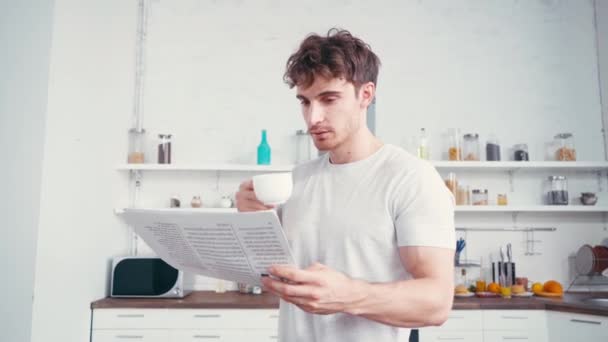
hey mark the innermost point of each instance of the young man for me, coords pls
(371, 226)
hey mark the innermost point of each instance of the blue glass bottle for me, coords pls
(264, 150)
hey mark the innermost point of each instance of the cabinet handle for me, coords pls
(584, 321)
(449, 338)
(206, 336)
(513, 317)
(129, 336)
(130, 315)
(207, 316)
(514, 338)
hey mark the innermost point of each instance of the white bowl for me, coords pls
(273, 188)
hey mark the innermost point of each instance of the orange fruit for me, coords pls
(493, 287)
(537, 287)
(553, 286)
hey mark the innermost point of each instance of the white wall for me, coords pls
(25, 37)
(524, 70)
(90, 100)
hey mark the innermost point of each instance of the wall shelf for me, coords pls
(592, 166)
(205, 167)
(531, 208)
(459, 208)
(120, 211)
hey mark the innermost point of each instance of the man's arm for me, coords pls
(422, 301)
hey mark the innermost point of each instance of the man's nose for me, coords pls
(315, 115)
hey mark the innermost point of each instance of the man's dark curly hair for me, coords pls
(339, 54)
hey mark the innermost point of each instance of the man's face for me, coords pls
(332, 110)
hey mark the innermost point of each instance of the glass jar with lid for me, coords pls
(520, 152)
(492, 149)
(136, 146)
(164, 148)
(470, 146)
(564, 147)
(557, 190)
(454, 144)
(479, 196)
(305, 148)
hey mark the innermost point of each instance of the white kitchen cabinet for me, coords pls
(565, 326)
(490, 326)
(130, 318)
(522, 320)
(223, 335)
(512, 336)
(514, 325)
(461, 325)
(267, 319)
(466, 336)
(185, 325)
(123, 335)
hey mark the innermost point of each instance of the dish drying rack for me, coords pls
(587, 283)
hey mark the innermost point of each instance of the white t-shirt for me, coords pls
(353, 217)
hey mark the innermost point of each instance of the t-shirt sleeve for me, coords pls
(424, 210)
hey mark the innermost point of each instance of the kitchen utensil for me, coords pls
(510, 264)
(588, 198)
(502, 254)
(601, 258)
(585, 260)
(460, 245)
(508, 275)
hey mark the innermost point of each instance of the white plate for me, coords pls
(464, 295)
(523, 294)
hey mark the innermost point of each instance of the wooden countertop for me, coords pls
(235, 300)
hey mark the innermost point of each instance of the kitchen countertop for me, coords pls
(571, 302)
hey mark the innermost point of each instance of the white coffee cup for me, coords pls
(273, 188)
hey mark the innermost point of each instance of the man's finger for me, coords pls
(246, 185)
(305, 292)
(294, 274)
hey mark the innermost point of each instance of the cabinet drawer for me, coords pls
(131, 335)
(461, 320)
(464, 336)
(522, 320)
(512, 336)
(130, 318)
(225, 319)
(195, 335)
(564, 326)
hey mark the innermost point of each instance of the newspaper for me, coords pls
(233, 246)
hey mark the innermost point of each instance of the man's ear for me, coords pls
(367, 93)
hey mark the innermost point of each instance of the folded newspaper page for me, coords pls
(233, 246)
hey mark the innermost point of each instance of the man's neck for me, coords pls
(360, 146)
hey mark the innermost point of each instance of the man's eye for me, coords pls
(329, 99)
(304, 102)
